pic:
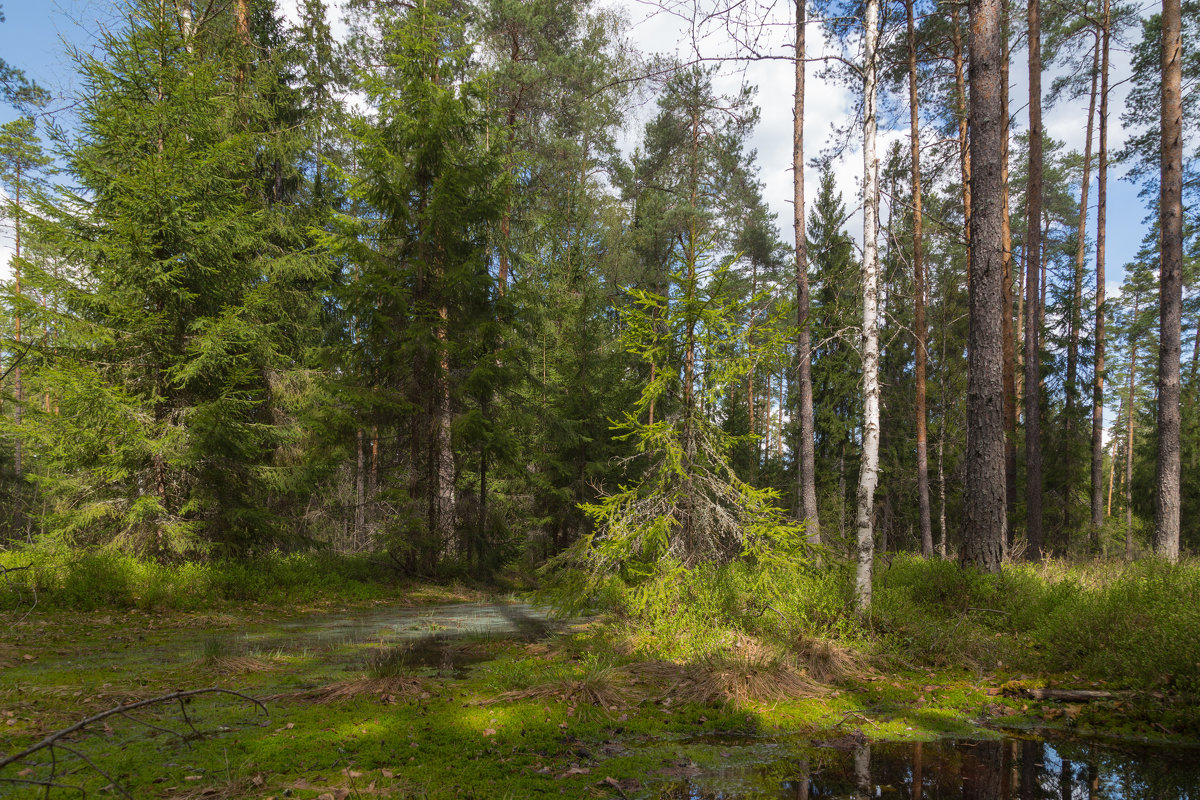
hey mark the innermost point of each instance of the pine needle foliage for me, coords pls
(689, 506)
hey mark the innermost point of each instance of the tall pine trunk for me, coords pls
(868, 475)
(1129, 442)
(806, 451)
(1101, 236)
(964, 151)
(985, 482)
(17, 388)
(1076, 320)
(918, 292)
(1006, 305)
(1033, 267)
(1167, 501)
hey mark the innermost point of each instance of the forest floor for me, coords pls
(450, 693)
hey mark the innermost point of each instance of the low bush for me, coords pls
(93, 579)
(1130, 624)
(1133, 625)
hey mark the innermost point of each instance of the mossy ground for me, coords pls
(500, 716)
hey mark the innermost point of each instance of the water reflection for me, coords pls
(1006, 769)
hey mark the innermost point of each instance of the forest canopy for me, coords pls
(408, 291)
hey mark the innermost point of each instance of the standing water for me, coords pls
(1001, 769)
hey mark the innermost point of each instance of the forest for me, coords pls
(474, 304)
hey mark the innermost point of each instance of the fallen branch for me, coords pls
(54, 742)
(1068, 695)
(123, 710)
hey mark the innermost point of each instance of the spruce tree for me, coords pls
(172, 293)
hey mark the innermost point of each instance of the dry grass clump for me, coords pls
(749, 671)
(608, 688)
(239, 665)
(388, 690)
(827, 661)
(737, 679)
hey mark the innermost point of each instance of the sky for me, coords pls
(37, 33)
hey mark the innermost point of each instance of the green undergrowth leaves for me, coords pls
(1136, 625)
(1133, 625)
(98, 579)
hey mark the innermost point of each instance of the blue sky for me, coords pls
(36, 33)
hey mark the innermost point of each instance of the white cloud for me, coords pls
(828, 104)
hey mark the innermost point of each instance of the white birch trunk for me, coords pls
(868, 475)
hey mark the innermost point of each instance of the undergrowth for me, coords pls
(1132, 625)
(89, 580)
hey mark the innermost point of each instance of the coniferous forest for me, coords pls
(459, 297)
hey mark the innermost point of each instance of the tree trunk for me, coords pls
(868, 474)
(779, 425)
(964, 151)
(918, 292)
(1167, 501)
(1076, 319)
(360, 481)
(17, 388)
(1112, 472)
(1006, 306)
(1101, 235)
(942, 488)
(1033, 267)
(917, 777)
(1129, 442)
(444, 456)
(842, 493)
(985, 491)
(806, 458)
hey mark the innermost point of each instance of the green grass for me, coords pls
(103, 579)
(1134, 626)
(610, 696)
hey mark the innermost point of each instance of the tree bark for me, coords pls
(1101, 236)
(918, 292)
(1129, 442)
(1006, 304)
(1167, 500)
(1076, 319)
(806, 449)
(985, 483)
(17, 388)
(868, 475)
(1112, 472)
(360, 481)
(964, 151)
(1033, 266)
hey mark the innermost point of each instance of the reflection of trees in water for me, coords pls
(982, 771)
(963, 770)
(862, 770)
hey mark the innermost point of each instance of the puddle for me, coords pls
(478, 621)
(1006, 769)
(445, 639)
